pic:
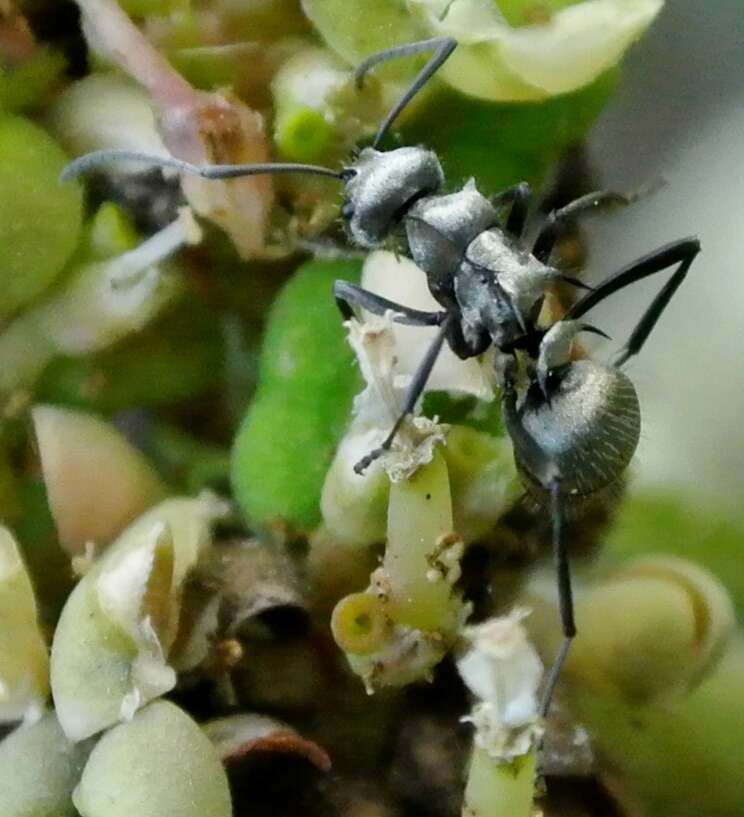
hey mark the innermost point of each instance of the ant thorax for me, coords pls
(519, 273)
(439, 229)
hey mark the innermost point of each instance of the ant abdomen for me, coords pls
(588, 426)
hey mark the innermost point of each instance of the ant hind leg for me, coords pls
(681, 253)
(565, 594)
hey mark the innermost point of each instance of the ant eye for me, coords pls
(347, 210)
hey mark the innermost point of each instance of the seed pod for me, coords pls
(306, 384)
(354, 506)
(100, 303)
(160, 763)
(482, 478)
(682, 759)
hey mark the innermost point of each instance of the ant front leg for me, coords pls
(415, 390)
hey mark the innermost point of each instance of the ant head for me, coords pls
(555, 349)
(381, 186)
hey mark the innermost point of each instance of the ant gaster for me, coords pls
(576, 424)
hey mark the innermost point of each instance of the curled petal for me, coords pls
(563, 53)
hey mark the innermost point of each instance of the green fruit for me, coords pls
(39, 768)
(28, 85)
(159, 764)
(40, 218)
(668, 524)
(307, 379)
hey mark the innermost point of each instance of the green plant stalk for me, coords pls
(678, 760)
(419, 515)
(496, 788)
(396, 631)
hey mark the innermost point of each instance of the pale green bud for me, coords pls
(110, 653)
(39, 768)
(651, 629)
(158, 764)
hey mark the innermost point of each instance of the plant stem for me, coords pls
(499, 789)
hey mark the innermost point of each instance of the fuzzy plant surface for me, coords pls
(205, 609)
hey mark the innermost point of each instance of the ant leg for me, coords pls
(442, 46)
(681, 252)
(558, 219)
(519, 197)
(415, 390)
(347, 295)
(536, 461)
(565, 595)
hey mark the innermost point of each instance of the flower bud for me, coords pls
(110, 653)
(39, 768)
(160, 763)
(651, 629)
(95, 480)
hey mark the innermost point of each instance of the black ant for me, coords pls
(574, 424)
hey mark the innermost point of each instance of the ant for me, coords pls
(574, 424)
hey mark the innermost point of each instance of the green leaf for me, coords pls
(307, 379)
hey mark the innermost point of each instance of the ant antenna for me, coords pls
(442, 47)
(101, 158)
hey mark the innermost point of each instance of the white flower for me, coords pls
(567, 51)
(400, 280)
(503, 670)
(379, 405)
